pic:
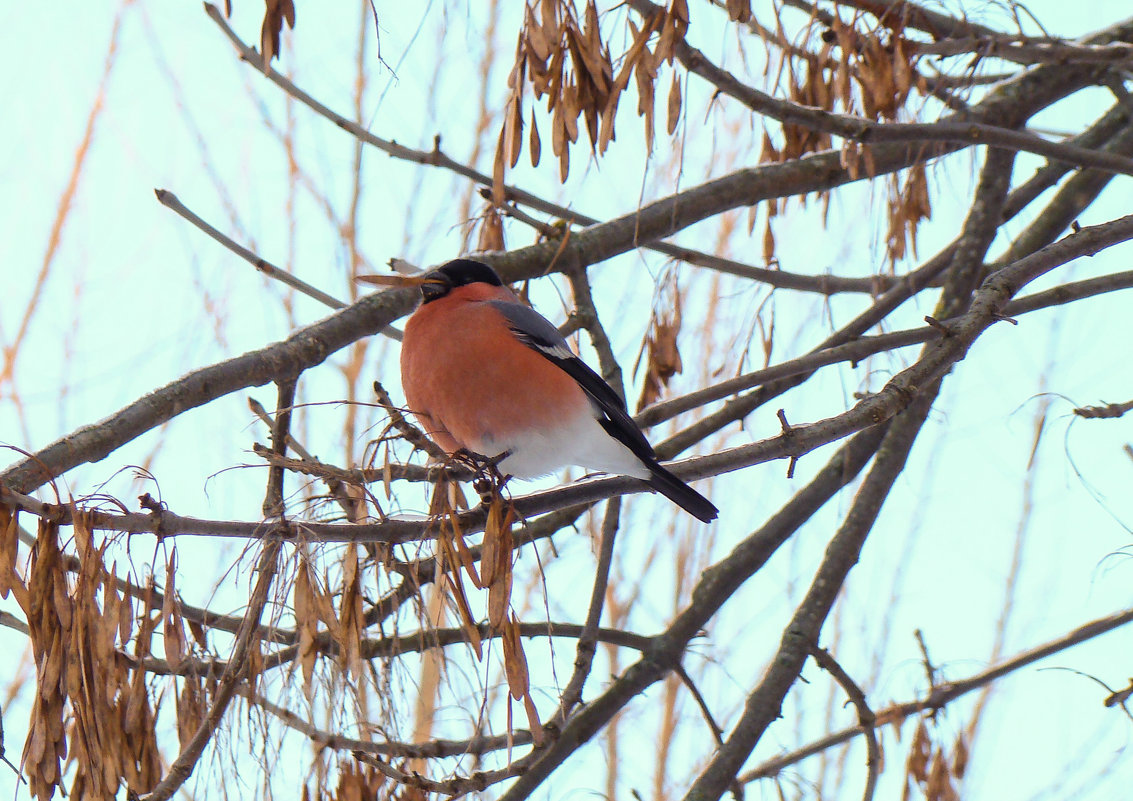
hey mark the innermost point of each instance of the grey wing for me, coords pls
(538, 333)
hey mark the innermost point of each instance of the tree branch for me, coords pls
(945, 693)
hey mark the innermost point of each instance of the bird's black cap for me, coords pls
(457, 273)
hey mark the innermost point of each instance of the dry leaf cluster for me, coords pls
(495, 574)
(868, 71)
(92, 707)
(661, 355)
(932, 769)
(566, 61)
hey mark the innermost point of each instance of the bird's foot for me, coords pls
(488, 479)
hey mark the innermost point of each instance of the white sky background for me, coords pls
(136, 297)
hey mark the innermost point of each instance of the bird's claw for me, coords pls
(488, 479)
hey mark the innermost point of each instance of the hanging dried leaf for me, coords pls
(443, 507)
(629, 64)
(467, 622)
(908, 205)
(515, 660)
(536, 37)
(549, 9)
(674, 105)
(920, 751)
(499, 599)
(323, 602)
(275, 14)
(46, 743)
(644, 76)
(850, 158)
(498, 546)
(387, 473)
(466, 559)
(513, 131)
(360, 782)
(491, 231)
(533, 723)
(939, 784)
(904, 73)
(519, 680)
(190, 709)
(768, 242)
(606, 124)
(350, 620)
(9, 553)
(171, 627)
(534, 146)
(306, 619)
(678, 11)
(586, 48)
(499, 188)
(108, 626)
(571, 108)
(564, 165)
(661, 353)
(739, 10)
(960, 756)
(673, 25)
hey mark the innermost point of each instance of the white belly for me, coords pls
(582, 442)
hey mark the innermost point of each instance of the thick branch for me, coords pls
(763, 705)
(716, 585)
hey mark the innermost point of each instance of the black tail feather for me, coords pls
(681, 494)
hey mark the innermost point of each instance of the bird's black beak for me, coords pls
(435, 285)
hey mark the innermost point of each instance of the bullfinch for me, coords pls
(486, 374)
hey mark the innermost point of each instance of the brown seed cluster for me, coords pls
(91, 706)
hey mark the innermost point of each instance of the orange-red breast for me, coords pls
(486, 374)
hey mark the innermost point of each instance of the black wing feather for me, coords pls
(539, 334)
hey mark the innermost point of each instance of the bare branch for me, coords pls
(867, 720)
(171, 201)
(945, 693)
(714, 588)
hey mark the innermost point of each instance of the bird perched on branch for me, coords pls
(489, 376)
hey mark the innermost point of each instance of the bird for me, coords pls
(490, 377)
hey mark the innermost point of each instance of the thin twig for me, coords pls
(171, 201)
(1109, 411)
(867, 721)
(273, 497)
(462, 785)
(409, 432)
(306, 464)
(584, 652)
